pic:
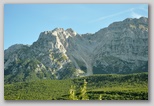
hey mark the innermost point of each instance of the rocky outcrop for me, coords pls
(120, 48)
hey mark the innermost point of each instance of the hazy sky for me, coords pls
(24, 22)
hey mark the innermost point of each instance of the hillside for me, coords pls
(110, 86)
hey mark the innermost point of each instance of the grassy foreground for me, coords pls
(105, 87)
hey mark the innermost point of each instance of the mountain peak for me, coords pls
(71, 31)
(58, 29)
(128, 19)
(143, 19)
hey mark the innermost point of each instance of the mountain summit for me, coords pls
(122, 47)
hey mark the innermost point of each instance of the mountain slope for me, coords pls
(122, 47)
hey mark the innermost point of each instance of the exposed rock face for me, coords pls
(125, 47)
(120, 48)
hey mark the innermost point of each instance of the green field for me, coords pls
(104, 86)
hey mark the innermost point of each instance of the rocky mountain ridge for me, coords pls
(122, 47)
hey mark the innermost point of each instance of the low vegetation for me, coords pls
(96, 87)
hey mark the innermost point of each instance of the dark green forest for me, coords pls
(97, 87)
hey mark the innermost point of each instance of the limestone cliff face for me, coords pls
(122, 47)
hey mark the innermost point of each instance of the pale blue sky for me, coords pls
(24, 22)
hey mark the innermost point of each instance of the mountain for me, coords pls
(122, 48)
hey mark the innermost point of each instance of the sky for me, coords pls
(24, 22)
